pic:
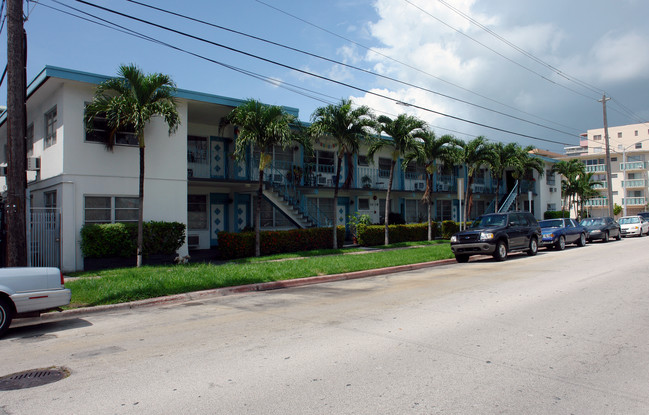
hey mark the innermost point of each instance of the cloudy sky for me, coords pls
(524, 71)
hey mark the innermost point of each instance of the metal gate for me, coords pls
(44, 238)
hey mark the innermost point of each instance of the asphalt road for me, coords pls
(559, 333)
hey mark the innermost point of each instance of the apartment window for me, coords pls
(196, 149)
(444, 210)
(197, 212)
(550, 177)
(326, 161)
(363, 204)
(597, 137)
(384, 167)
(552, 206)
(29, 137)
(415, 171)
(362, 161)
(638, 146)
(50, 199)
(636, 133)
(284, 155)
(479, 207)
(100, 133)
(619, 135)
(613, 158)
(50, 127)
(111, 209)
(415, 211)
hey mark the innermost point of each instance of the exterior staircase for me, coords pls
(511, 198)
(282, 192)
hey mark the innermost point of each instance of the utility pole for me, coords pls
(15, 206)
(608, 160)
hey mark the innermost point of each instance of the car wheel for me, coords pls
(6, 315)
(561, 245)
(534, 246)
(605, 238)
(500, 254)
(619, 236)
(462, 258)
(582, 240)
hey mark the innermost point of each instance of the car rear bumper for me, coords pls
(41, 300)
(630, 232)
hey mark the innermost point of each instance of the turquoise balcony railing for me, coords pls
(634, 201)
(634, 183)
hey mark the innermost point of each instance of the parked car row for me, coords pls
(498, 234)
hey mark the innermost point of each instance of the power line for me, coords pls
(346, 65)
(523, 51)
(291, 87)
(498, 53)
(314, 74)
(405, 64)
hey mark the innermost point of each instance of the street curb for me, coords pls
(240, 289)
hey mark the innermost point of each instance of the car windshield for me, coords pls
(551, 223)
(592, 222)
(626, 221)
(488, 221)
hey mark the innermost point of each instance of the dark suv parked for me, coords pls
(497, 234)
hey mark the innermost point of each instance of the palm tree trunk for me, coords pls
(469, 198)
(387, 203)
(140, 213)
(335, 215)
(260, 194)
(429, 187)
(497, 195)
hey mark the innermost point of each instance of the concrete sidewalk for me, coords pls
(220, 292)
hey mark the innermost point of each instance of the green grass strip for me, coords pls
(130, 284)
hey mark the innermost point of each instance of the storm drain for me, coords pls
(32, 378)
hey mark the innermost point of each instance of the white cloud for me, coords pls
(621, 58)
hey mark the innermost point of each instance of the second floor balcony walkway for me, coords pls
(215, 163)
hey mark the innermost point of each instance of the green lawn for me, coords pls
(130, 284)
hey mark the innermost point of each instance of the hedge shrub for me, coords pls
(372, 235)
(555, 214)
(242, 244)
(120, 239)
(449, 228)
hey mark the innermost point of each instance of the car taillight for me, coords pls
(62, 280)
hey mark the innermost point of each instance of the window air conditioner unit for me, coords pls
(33, 163)
(420, 186)
(322, 180)
(193, 241)
(277, 178)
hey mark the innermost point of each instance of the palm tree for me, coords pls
(434, 150)
(524, 162)
(130, 101)
(475, 153)
(570, 170)
(406, 131)
(503, 156)
(348, 126)
(585, 190)
(261, 126)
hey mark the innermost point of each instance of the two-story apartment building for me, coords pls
(193, 178)
(629, 149)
